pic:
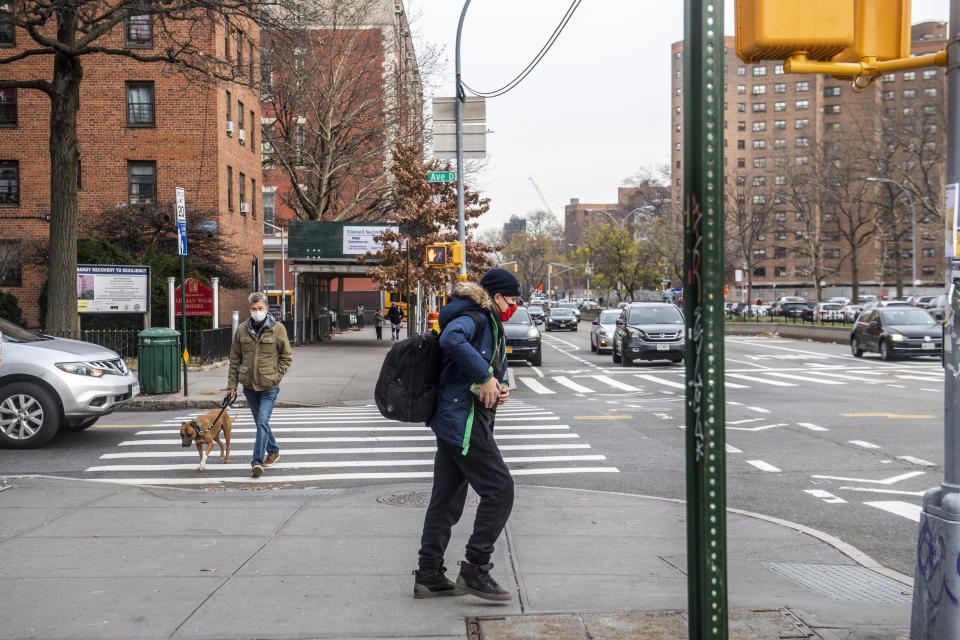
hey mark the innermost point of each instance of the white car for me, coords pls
(849, 312)
(829, 311)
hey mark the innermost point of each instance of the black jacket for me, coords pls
(395, 315)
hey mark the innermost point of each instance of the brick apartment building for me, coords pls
(774, 121)
(382, 46)
(143, 130)
(580, 217)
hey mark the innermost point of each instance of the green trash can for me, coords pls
(158, 360)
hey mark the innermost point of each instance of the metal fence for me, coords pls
(123, 341)
(791, 319)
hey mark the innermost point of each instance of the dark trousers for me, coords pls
(483, 469)
(379, 332)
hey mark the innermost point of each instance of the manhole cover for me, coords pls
(845, 582)
(419, 499)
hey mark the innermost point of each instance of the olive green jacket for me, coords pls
(259, 364)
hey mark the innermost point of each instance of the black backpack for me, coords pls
(407, 387)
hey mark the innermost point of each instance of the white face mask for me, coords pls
(258, 316)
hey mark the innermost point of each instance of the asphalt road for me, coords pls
(815, 436)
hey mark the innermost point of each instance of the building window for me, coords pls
(759, 144)
(243, 193)
(229, 109)
(759, 199)
(803, 105)
(909, 75)
(778, 70)
(741, 163)
(239, 117)
(741, 89)
(929, 74)
(140, 110)
(803, 85)
(10, 265)
(138, 31)
(889, 94)
(759, 253)
(250, 61)
(760, 272)
(230, 188)
(930, 92)
(831, 92)
(226, 38)
(780, 216)
(741, 125)
(929, 110)
(759, 71)
(759, 181)
(760, 125)
(741, 71)
(759, 89)
(803, 160)
(800, 272)
(803, 142)
(929, 252)
(7, 34)
(8, 107)
(780, 272)
(832, 126)
(741, 144)
(676, 147)
(269, 274)
(759, 107)
(888, 77)
(253, 132)
(909, 94)
(779, 143)
(779, 106)
(759, 163)
(779, 161)
(780, 180)
(909, 111)
(253, 198)
(239, 51)
(779, 124)
(678, 109)
(9, 182)
(780, 87)
(779, 235)
(801, 123)
(269, 211)
(928, 271)
(741, 107)
(678, 91)
(142, 179)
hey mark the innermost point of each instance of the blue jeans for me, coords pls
(261, 406)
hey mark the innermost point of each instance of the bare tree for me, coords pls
(748, 221)
(66, 33)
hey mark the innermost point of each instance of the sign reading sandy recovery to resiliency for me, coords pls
(360, 240)
(103, 288)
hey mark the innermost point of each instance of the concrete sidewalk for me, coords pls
(93, 560)
(339, 372)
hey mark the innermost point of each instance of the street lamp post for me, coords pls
(620, 225)
(283, 270)
(913, 213)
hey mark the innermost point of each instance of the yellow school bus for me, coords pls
(275, 299)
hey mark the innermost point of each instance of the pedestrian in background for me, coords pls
(396, 318)
(471, 387)
(360, 314)
(259, 357)
(378, 321)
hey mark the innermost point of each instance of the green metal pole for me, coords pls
(183, 313)
(703, 311)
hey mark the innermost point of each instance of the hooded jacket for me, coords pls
(466, 364)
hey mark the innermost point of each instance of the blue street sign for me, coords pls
(182, 233)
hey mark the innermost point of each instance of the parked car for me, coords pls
(880, 304)
(573, 306)
(937, 308)
(51, 383)
(648, 331)
(560, 318)
(922, 301)
(536, 312)
(827, 311)
(896, 332)
(850, 312)
(866, 298)
(839, 299)
(601, 336)
(791, 309)
(523, 338)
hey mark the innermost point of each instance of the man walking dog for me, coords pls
(474, 368)
(259, 357)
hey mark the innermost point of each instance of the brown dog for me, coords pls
(206, 429)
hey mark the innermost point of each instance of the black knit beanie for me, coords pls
(500, 281)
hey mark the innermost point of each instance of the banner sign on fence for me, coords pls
(199, 299)
(109, 288)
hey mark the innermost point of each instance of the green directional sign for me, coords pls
(442, 176)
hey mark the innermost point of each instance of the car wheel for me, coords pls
(885, 351)
(549, 329)
(81, 425)
(574, 328)
(855, 348)
(29, 416)
(625, 361)
(613, 351)
(678, 360)
(537, 360)
(593, 346)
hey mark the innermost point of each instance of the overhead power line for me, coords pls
(520, 77)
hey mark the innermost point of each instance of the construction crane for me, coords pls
(542, 199)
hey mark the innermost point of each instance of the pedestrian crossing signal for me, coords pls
(445, 254)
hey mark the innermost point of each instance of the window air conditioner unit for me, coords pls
(244, 206)
(229, 126)
(242, 135)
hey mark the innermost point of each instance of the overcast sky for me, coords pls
(595, 110)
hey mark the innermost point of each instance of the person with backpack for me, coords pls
(471, 385)
(396, 318)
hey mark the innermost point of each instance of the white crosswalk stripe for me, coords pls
(536, 386)
(335, 445)
(573, 386)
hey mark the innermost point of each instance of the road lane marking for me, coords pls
(764, 466)
(303, 440)
(622, 417)
(744, 421)
(570, 384)
(920, 378)
(898, 507)
(122, 426)
(731, 449)
(864, 444)
(892, 416)
(663, 381)
(826, 496)
(888, 491)
(812, 427)
(341, 450)
(537, 371)
(888, 481)
(919, 461)
(760, 428)
(791, 376)
(500, 427)
(773, 383)
(536, 386)
(759, 409)
(614, 383)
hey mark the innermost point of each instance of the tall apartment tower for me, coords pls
(143, 129)
(774, 123)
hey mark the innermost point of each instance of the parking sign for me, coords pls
(181, 222)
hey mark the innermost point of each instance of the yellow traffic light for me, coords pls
(881, 29)
(550, 269)
(515, 267)
(777, 29)
(455, 253)
(445, 254)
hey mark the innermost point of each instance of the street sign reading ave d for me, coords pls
(442, 176)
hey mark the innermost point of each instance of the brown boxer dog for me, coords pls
(206, 429)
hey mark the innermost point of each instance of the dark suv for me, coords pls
(896, 332)
(649, 331)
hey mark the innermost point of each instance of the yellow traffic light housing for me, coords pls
(881, 29)
(444, 254)
(777, 29)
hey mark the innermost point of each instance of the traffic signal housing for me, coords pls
(444, 254)
(775, 29)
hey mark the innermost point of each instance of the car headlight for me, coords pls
(897, 337)
(533, 333)
(81, 369)
(636, 333)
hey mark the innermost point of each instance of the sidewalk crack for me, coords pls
(515, 569)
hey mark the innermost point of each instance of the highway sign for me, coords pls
(442, 176)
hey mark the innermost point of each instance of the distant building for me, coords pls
(515, 224)
(580, 218)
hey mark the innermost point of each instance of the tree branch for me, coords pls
(39, 85)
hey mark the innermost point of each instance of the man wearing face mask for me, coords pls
(473, 375)
(259, 357)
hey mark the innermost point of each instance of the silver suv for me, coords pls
(47, 383)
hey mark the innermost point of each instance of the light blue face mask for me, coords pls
(258, 316)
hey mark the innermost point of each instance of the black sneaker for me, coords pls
(431, 583)
(476, 580)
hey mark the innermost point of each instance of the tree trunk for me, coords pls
(898, 264)
(854, 273)
(64, 157)
(748, 311)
